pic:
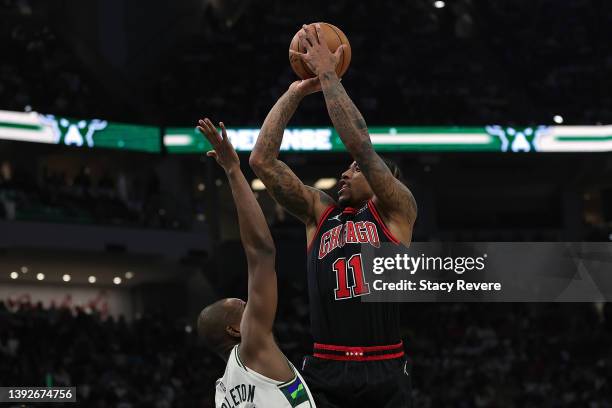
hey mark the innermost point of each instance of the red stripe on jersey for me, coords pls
(388, 233)
(319, 225)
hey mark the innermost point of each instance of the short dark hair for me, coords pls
(395, 169)
(211, 326)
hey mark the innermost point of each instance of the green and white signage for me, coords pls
(36, 127)
(435, 139)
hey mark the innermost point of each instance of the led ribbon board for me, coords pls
(35, 127)
(433, 139)
(39, 128)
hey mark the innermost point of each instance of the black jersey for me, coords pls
(337, 280)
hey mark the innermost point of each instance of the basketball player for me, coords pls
(257, 373)
(358, 358)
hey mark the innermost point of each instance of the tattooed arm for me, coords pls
(393, 198)
(305, 202)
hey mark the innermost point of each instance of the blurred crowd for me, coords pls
(40, 69)
(462, 355)
(467, 63)
(112, 197)
(511, 62)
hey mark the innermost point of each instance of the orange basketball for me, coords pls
(334, 38)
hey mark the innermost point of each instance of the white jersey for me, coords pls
(241, 387)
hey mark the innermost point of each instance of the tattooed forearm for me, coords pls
(271, 133)
(346, 118)
(284, 186)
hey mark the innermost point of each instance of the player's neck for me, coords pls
(357, 204)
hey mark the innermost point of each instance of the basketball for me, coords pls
(334, 38)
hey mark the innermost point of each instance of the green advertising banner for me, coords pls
(36, 127)
(39, 128)
(416, 139)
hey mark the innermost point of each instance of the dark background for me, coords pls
(170, 217)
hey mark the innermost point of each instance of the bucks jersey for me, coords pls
(338, 281)
(241, 387)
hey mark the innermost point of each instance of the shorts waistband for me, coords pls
(358, 353)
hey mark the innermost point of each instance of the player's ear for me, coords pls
(233, 332)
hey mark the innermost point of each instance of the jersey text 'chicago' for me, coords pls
(337, 280)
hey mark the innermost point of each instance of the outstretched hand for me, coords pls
(223, 151)
(318, 57)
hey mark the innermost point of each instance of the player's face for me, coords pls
(354, 188)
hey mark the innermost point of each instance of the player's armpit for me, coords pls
(304, 202)
(267, 359)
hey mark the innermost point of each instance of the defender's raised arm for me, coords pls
(256, 326)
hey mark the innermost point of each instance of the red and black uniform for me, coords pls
(358, 357)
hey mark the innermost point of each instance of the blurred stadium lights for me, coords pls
(24, 8)
(117, 280)
(201, 217)
(40, 276)
(439, 4)
(24, 269)
(14, 275)
(66, 277)
(558, 119)
(257, 185)
(201, 187)
(464, 23)
(129, 275)
(91, 279)
(188, 329)
(325, 183)
(228, 10)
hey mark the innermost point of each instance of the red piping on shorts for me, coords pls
(352, 353)
(359, 358)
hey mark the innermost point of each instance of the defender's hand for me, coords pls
(224, 153)
(318, 57)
